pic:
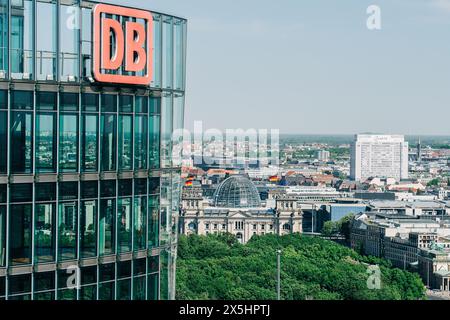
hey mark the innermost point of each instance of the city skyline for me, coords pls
(318, 69)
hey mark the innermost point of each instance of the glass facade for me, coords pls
(87, 180)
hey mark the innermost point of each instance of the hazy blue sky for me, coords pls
(312, 66)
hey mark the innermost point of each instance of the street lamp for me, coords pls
(278, 274)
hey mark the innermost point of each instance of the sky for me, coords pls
(313, 66)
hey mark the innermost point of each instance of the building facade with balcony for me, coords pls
(88, 183)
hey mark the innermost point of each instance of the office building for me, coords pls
(323, 155)
(379, 156)
(88, 183)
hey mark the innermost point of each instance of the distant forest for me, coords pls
(440, 142)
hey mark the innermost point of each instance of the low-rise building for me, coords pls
(397, 238)
(434, 267)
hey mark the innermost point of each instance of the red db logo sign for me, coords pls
(123, 50)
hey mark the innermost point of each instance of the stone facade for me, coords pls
(198, 216)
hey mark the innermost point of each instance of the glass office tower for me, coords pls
(87, 179)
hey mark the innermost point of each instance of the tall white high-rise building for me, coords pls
(380, 156)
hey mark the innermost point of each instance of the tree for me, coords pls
(217, 267)
(433, 183)
(329, 229)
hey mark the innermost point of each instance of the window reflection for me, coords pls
(68, 142)
(157, 68)
(107, 227)
(89, 142)
(4, 27)
(45, 142)
(69, 44)
(44, 232)
(125, 142)
(109, 141)
(140, 222)
(140, 148)
(154, 133)
(3, 141)
(167, 52)
(153, 221)
(178, 27)
(21, 142)
(86, 42)
(166, 130)
(2, 236)
(46, 46)
(68, 219)
(20, 234)
(124, 225)
(88, 226)
(21, 50)
(153, 286)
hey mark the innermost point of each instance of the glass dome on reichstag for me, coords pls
(237, 192)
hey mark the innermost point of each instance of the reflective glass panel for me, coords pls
(140, 222)
(107, 228)
(166, 130)
(68, 142)
(45, 142)
(109, 103)
(68, 101)
(126, 104)
(3, 93)
(124, 225)
(22, 100)
(2, 236)
(21, 192)
(44, 281)
(45, 191)
(153, 221)
(19, 284)
(109, 142)
(124, 289)
(21, 50)
(46, 46)
(139, 288)
(68, 220)
(106, 291)
(125, 142)
(167, 52)
(153, 286)
(89, 143)
(44, 232)
(89, 102)
(140, 147)
(141, 104)
(108, 188)
(157, 67)
(88, 229)
(69, 43)
(20, 234)
(3, 141)
(68, 190)
(86, 42)
(178, 29)
(46, 100)
(154, 142)
(4, 27)
(21, 155)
